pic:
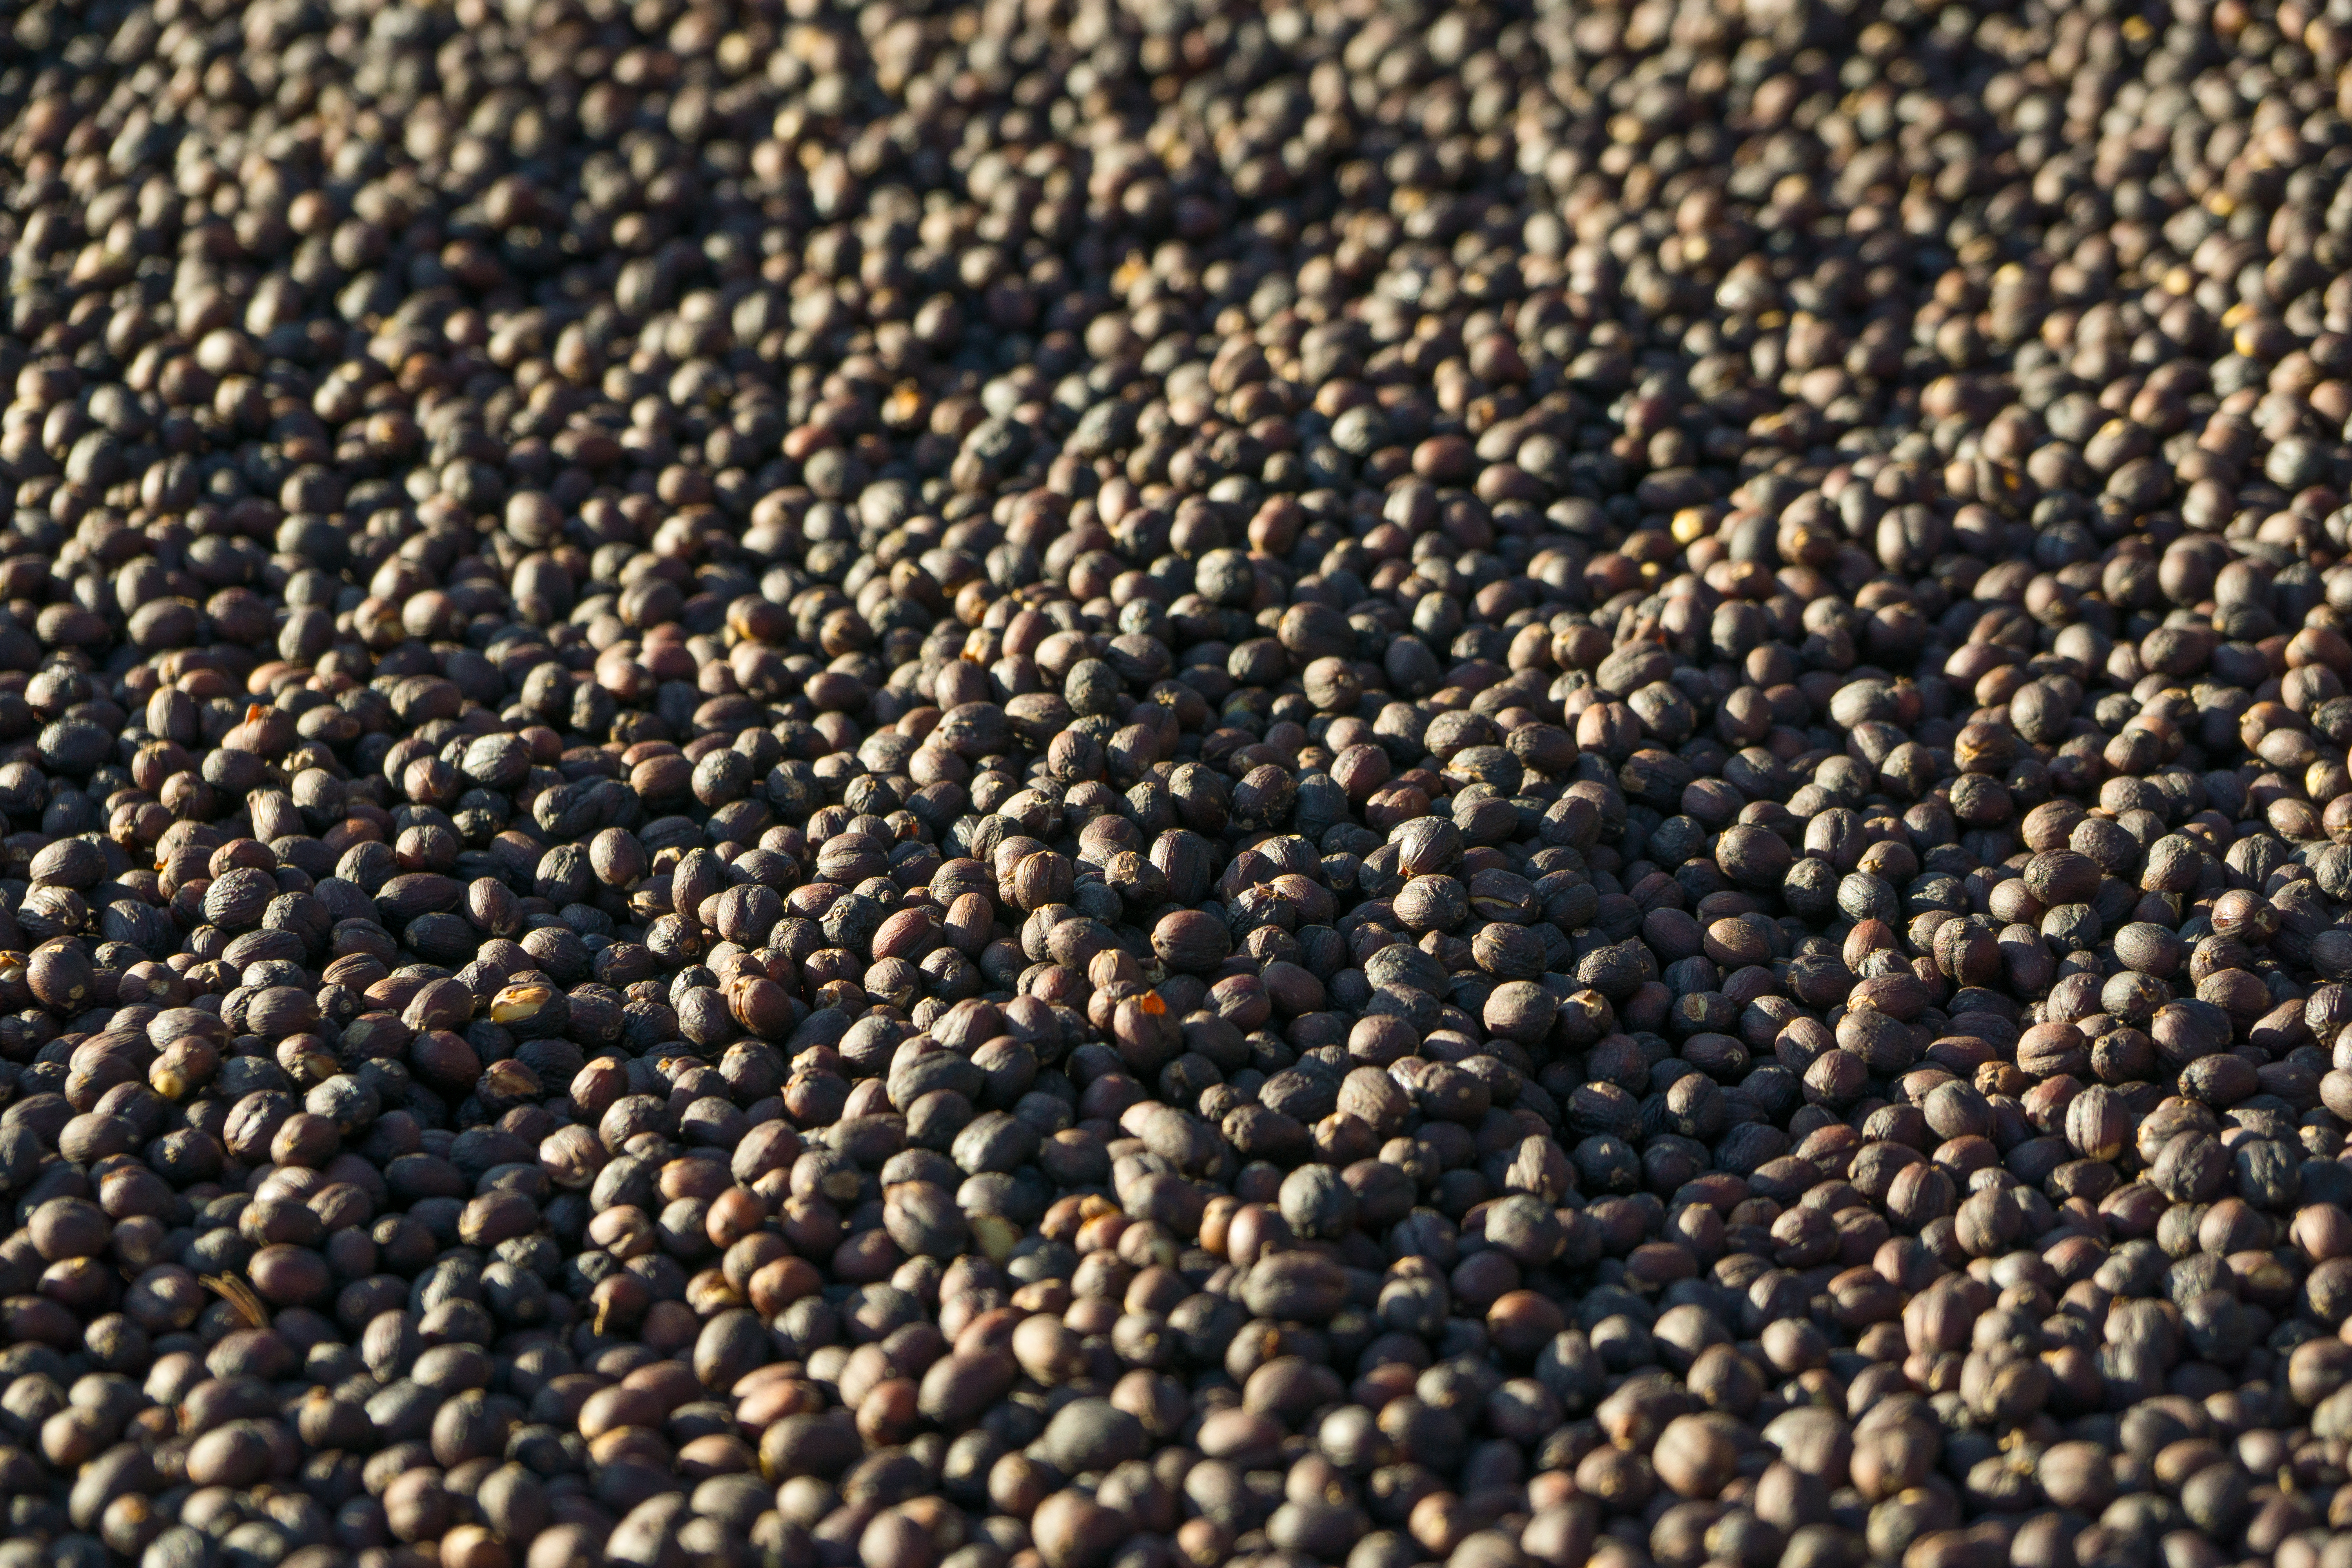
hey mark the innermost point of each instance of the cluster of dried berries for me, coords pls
(1058, 783)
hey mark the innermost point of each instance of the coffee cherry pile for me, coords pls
(1059, 783)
